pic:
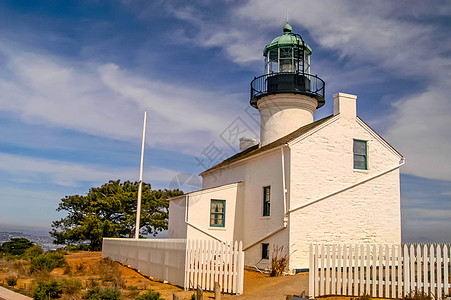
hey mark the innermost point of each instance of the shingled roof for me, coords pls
(254, 150)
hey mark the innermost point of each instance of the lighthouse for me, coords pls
(287, 95)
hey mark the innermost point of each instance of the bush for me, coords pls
(102, 294)
(11, 280)
(418, 296)
(33, 251)
(67, 270)
(47, 290)
(47, 262)
(71, 286)
(279, 262)
(150, 295)
(132, 291)
(109, 271)
(20, 267)
(80, 269)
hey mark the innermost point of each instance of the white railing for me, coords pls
(213, 261)
(185, 263)
(383, 271)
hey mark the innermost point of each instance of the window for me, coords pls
(266, 201)
(360, 155)
(265, 251)
(217, 213)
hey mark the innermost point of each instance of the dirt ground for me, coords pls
(82, 265)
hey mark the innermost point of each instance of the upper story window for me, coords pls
(360, 155)
(266, 201)
(217, 213)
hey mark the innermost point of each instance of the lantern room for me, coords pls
(287, 54)
(287, 69)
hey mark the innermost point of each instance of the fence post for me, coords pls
(345, 271)
(327, 269)
(217, 291)
(446, 284)
(425, 270)
(439, 272)
(311, 271)
(199, 293)
(432, 269)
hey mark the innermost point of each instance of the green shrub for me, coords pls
(47, 262)
(33, 251)
(150, 295)
(102, 294)
(71, 286)
(47, 290)
(11, 280)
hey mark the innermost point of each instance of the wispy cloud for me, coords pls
(387, 37)
(108, 101)
(20, 169)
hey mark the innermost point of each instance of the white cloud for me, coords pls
(384, 35)
(421, 131)
(22, 169)
(107, 101)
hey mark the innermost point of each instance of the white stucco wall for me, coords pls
(316, 164)
(322, 163)
(194, 222)
(176, 225)
(257, 172)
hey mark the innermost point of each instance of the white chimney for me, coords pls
(247, 143)
(345, 105)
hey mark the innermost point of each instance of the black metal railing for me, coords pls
(297, 83)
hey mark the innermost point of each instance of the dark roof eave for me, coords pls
(254, 150)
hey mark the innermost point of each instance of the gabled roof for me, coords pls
(254, 150)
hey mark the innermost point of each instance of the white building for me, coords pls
(334, 180)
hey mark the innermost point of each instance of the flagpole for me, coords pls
(138, 208)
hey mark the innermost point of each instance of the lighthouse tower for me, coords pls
(287, 95)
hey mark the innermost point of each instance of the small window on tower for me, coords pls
(360, 155)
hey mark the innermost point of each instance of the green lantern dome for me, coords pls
(287, 70)
(287, 40)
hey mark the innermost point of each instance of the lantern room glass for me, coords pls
(287, 60)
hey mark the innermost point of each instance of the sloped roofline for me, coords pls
(293, 138)
(257, 149)
(378, 137)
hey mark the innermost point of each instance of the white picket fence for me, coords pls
(212, 261)
(383, 271)
(187, 263)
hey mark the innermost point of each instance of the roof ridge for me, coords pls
(251, 151)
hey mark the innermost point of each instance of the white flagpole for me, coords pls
(140, 187)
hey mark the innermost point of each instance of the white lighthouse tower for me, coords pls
(287, 95)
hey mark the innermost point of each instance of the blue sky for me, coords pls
(76, 76)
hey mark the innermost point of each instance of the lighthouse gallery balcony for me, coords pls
(287, 82)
